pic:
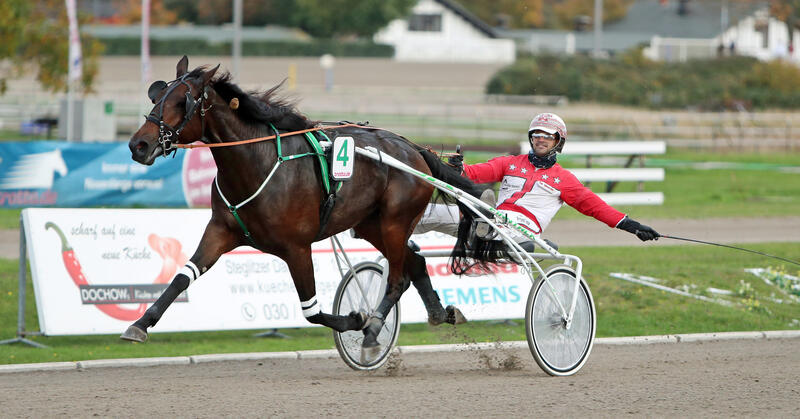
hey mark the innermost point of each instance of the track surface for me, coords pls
(723, 378)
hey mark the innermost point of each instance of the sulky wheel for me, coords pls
(560, 347)
(363, 292)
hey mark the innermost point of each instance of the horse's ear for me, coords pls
(209, 74)
(183, 66)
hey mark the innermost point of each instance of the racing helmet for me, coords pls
(551, 124)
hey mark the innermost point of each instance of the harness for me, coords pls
(327, 206)
(165, 131)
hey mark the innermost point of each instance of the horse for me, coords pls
(282, 217)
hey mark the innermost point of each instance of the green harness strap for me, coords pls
(323, 164)
(247, 234)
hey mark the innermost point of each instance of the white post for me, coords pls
(70, 111)
(723, 17)
(570, 47)
(326, 61)
(237, 37)
(683, 48)
(598, 27)
(75, 63)
(145, 53)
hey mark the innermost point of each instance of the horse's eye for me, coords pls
(180, 105)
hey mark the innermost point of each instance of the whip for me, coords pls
(730, 247)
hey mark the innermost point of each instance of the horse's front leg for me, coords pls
(216, 240)
(302, 270)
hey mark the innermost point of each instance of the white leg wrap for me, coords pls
(310, 307)
(191, 271)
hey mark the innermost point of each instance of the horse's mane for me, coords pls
(260, 107)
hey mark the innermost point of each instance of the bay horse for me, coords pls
(282, 216)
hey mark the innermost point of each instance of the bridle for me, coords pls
(166, 132)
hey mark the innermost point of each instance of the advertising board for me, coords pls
(58, 173)
(95, 271)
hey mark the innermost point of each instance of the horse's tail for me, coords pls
(469, 250)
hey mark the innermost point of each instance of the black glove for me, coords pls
(641, 231)
(457, 160)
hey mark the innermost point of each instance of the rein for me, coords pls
(234, 209)
(270, 137)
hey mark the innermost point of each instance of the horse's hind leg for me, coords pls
(216, 240)
(416, 270)
(302, 270)
(390, 238)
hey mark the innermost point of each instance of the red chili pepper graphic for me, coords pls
(76, 273)
(170, 251)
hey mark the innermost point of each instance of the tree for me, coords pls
(217, 12)
(342, 18)
(130, 12)
(520, 13)
(567, 10)
(34, 36)
(331, 18)
(789, 12)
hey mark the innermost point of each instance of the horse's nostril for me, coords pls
(141, 146)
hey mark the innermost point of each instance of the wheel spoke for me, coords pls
(558, 350)
(364, 290)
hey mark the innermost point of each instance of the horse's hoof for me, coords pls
(454, 315)
(372, 327)
(134, 334)
(437, 318)
(370, 353)
(360, 317)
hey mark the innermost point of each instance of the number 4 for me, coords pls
(342, 156)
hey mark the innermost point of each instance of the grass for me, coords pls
(757, 186)
(15, 135)
(756, 189)
(623, 308)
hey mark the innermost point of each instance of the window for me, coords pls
(425, 23)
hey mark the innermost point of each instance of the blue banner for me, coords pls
(62, 174)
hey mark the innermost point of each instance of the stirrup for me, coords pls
(484, 231)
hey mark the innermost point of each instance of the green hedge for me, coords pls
(313, 48)
(633, 80)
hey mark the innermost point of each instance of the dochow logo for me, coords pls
(125, 294)
(109, 298)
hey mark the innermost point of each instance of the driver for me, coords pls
(533, 188)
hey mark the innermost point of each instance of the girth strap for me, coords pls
(327, 207)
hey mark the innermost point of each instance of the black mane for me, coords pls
(260, 107)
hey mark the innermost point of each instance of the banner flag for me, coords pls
(146, 68)
(75, 60)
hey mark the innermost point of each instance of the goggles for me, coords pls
(542, 136)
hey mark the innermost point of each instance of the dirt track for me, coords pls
(724, 378)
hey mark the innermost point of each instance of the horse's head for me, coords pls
(59, 166)
(171, 121)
